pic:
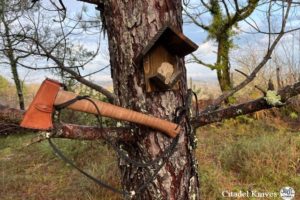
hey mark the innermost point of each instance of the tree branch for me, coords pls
(266, 58)
(12, 118)
(96, 2)
(245, 108)
(76, 76)
(193, 18)
(226, 9)
(197, 60)
(243, 13)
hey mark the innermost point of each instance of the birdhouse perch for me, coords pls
(159, 59)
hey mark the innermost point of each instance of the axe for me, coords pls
(50, 94)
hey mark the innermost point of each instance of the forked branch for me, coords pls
(253, 74)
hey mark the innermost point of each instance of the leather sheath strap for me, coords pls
(39, 113)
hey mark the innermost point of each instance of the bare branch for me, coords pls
(226, 9)
(208, 7)
(261, 90)
(76, 76)
(243, 73)
(245, 108)
(96, 2)
(197, 60)
(194, 20)
(258, 67)
(103, 68)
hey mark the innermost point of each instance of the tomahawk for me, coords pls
(50, 94)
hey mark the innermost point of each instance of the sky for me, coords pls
(206, 51)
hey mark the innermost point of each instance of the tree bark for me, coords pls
(130, 26)
(13, 63)
(18, 84)
(223, 66)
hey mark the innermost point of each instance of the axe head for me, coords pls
(39, 113)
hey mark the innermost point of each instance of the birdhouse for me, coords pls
(160, 57)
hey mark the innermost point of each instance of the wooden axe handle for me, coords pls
(116, 112)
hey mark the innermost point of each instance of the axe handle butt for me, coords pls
(119, 113)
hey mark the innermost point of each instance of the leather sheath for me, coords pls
(39, 113)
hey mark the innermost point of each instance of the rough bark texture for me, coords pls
(130, 26)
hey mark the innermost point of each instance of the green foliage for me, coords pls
(245, 119)
(294, 115)
(289, 112)
(217, 21)
(220, 28)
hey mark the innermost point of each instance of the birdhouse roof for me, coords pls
(174, 41)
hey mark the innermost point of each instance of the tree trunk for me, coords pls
(13, 64)
(130, 26)
(18, 85)
(223, 66)
(279, 86)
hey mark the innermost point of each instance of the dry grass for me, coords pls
(247, 156)
(36, 173)
(234, 155)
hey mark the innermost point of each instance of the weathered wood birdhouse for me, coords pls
(159, 59)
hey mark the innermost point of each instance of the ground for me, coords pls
(241, 154)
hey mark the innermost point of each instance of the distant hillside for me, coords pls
(205, 89)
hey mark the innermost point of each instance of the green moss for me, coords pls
(294, 115)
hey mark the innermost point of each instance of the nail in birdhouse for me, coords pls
(160, 57)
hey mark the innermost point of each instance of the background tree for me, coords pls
(31, 33)
(224, 18)
(10, 13)
(222, 21)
